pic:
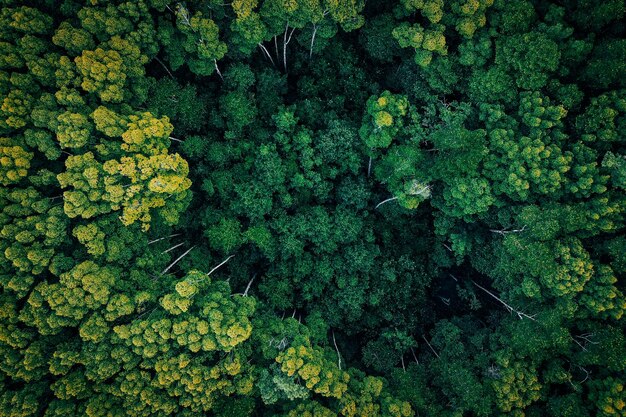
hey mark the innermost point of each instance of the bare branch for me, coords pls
(586, 338)
(245, 293)
(579, 344)
(337, 349)
(414, 357)
(369, 167)
(312, 40)
(504, 232)
(223, 262)
(218, 70)
(520, 314)
(173, 247)
(385, 201)
(290, 33)
(431, 348)
(175, 139)
(176, 261)
(586, 373)
(266, 52)
(165, 67)
(276, 47)
(285, 46)
(162, 238)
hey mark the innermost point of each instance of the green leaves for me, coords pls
(530, 57)
(318, 373)
(383, 119)
(14, 162)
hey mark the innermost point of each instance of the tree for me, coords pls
(383, 119)
(194, 40)
(319, 374)
(14, 162)
(135, 183)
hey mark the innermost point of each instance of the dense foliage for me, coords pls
(312, 208)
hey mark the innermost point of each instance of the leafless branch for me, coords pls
(176, 261)
(337, 349)
(245, 293)
(162, 238)
(504, 232)
(431, 348)
(266, 53)
(385, 201)
(223, 262)
(217, 69)
(173, 247)
(520, 314)
(312, 40)
(165, 67)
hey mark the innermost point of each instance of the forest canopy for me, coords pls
(312, 208)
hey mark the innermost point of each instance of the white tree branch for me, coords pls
(223, 262)
(385, 201)
(431, 348)
(173, 247)
(162, 238)
(176, 261)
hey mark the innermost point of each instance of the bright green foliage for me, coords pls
(135, 183)
(424, 41)
(310, 409)
(530, 58)
(430, 9)
(73, 40)
(138, 184)
(469, 15)
(146, 134)
(346, 13)
(531, 160)
(466, 16)
(604, 119)
(15, 109)
(200, 316)
(383, 119)
(410, 208)
(318, 373)
(517, 386)
(108, 122)
(86, 176)
(14, 162)
(32, 226)
(103, 73)
(609, 397)
(467, 196)
(616, 165)
(601, 297)
(274, 385)
(74, 130)
(85, 288)
(366, 397)
(194, 41)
